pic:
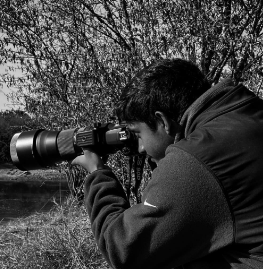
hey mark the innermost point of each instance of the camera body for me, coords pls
(38, 149)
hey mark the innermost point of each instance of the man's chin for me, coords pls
(152, 162)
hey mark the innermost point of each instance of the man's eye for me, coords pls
(136, 134)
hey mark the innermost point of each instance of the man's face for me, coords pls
(153, 143)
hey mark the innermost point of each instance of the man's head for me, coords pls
(170, 86)
(155, 100)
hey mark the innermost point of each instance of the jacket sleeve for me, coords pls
(183, 215)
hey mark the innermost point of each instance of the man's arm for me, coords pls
(183, 215)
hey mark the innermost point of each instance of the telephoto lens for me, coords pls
(38, 149)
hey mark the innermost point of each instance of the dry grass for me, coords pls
(61, 238)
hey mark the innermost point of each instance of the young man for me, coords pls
(203, 207)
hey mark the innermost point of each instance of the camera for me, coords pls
(38, 149)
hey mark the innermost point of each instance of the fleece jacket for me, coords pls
(203, 207)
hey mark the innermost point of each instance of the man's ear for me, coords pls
(165, 121)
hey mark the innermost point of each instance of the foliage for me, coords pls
(11, 122)
(61, 238)
(77, 55)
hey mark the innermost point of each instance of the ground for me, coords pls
(9, 172)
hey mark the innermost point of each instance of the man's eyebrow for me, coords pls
(130, 126)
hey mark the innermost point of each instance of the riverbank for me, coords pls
(9, 172)
(23, 193)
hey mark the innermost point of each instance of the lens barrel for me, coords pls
(38, 149)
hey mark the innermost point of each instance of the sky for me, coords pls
(3, 100)
(4, 103)
(3, 90)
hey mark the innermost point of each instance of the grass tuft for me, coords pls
(60, 238)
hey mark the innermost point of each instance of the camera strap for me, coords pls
(134, 164)
(127, 176)
(139, 161)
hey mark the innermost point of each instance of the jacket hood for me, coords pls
(219, 99)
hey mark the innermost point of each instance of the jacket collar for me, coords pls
(201, 104)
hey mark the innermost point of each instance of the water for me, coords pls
(21, 199)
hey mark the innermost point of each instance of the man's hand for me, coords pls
(90, 161)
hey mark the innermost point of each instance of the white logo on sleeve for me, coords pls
(148, 204)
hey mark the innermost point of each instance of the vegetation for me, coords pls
(61, 238)
(75, 57)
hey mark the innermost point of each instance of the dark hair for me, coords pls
(169, 86)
